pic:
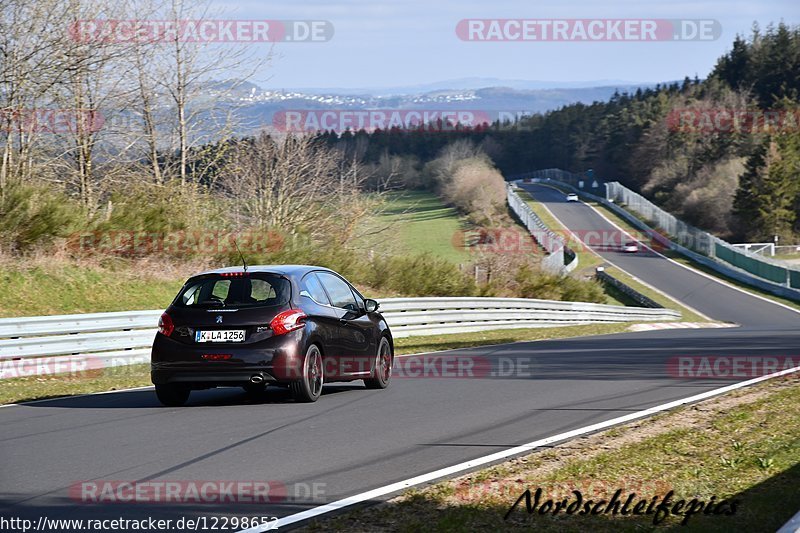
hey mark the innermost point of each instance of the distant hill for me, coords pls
(258, 106)
(473, 83)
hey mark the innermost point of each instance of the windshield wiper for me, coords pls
(209, 303)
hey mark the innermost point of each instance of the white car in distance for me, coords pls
(630, 247)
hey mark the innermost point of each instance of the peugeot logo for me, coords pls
(219, 319)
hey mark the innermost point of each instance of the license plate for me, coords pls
(219, 335)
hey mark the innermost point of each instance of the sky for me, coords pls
(383, 43)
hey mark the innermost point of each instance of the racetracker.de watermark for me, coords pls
(208, 491)
(137, 243)
(72, 366)
(495, 240)
(588, 30)
(730, 366)
(731, 120)
(48, 120)
(201, 31)
(340, 120)
(422, 366)
(516, 241)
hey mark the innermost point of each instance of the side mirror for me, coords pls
(371, 305)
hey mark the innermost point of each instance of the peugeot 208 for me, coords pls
(296, 325)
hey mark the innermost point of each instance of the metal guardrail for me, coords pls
(704, 243)
(57, 344)
(428, 316)
(724, 268)
(82, 323)
(579, 181)
(557, 252)
(627, 290)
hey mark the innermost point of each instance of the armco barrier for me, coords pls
(553, 244)
(579, 181)
(724, 268)
(116, 339)
(627, 290)
(701, 242)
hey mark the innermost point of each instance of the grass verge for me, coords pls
(687, 315)
(432, 343)
(30, 388)
(123, 377)
(742, 446)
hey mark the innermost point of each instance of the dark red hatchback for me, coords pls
(295, 325)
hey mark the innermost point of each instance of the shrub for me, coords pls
(478, 190)
(33, 215)
(532, 283)
(157, 208)
(421, 275)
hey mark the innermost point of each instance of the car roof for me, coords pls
(283, 270)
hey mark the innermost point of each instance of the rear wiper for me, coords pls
(210, 303)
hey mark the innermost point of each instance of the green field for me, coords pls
(417, 222)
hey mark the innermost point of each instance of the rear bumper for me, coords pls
(275, 360)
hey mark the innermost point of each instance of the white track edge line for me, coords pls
(467, 465)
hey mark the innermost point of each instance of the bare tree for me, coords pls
(281, 183)
(34, 59)
(440, 170)
(297, 182)
(185, 72)
(96, 88)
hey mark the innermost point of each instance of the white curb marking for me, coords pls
(480, 461)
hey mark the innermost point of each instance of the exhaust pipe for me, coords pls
(256, 379)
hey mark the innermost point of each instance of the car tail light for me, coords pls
(165, 325)
(287, 321)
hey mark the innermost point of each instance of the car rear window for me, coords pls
(252, 290)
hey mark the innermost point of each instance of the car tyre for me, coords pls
(172, 395)
(382, 371)
(309, 387)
